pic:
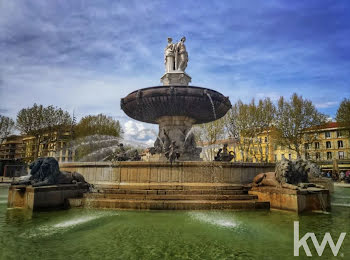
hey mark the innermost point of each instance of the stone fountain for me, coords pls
(175, 106)
(157, 184)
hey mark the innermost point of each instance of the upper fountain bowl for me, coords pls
(201, 104)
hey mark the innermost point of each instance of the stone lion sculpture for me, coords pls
(45, 171)
(289, 174)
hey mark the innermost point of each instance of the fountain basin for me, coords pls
(150, 104)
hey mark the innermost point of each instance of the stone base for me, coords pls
(45, 197)
(175, 78)
(327, 183)
(155, 172)
(309, 199)
(170, 196)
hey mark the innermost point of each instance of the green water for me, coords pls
(102, 234)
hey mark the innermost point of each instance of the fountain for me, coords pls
(174, 177)
(175, 106)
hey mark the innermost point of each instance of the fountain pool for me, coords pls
(117, 234)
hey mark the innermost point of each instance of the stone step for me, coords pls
(169, 204)
(182, 192)
(169, 197)
(170, 186)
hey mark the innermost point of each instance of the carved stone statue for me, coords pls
(45, 171)
(169, 56)
(172, 154)
(288, 174)
(166, 142)
(124, 155)
(181, 55)
(175, 60)
(224, 155)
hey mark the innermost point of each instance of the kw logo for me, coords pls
(319, 247)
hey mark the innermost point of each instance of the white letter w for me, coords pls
(319, 248)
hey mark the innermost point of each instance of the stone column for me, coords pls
(177, 128)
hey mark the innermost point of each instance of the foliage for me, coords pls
(6, 127)
(245, 122)
(343, 113)
(292, 118)
(39, 120)
(98, 125)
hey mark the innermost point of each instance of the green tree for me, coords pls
(292, 118)
(343, 113)
(7, 126)
(42, 123)
(98, 125)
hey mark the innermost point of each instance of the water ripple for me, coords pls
(50, 229)
(214, 219)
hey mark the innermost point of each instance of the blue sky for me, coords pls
(86, 55)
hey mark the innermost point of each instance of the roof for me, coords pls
(329, 125)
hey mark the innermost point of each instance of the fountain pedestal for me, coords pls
(178, 78)
(309, 199)
(178, 129)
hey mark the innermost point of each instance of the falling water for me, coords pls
(101, 146)
(157, 136)
(212, 104)
(188, 134)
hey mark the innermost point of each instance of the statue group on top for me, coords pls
(175, 55)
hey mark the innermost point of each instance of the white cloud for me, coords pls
(327, 104)
(140, 132)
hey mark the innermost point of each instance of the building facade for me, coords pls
(25, 147)
(12, 148)
(329, 145)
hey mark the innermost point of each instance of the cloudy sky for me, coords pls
(86, 55)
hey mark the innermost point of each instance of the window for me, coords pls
(340, 144)
(306, 145)
(307, 156)
(327, 134)
(282, 157)
(329, 155)
(328, 144)
(289, 156)
(317, 145)
(341, 155)
(265, 139)
(275, 157)
(318, 156)
(339, 134)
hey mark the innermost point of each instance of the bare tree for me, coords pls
(7, 126)
(292, 118)
(210, 133)
(245, 122)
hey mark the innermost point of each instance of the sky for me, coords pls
(84, 56)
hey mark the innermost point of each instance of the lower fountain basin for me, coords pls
(201, 104)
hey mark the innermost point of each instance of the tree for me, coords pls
(343, 113)
(98, 125)
(209, 133)
(266, 113)
(42, 122)
(292, 119)
(6, 127)
(245, 122)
